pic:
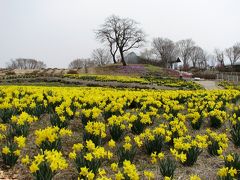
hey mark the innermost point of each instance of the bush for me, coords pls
(33, 73)
(72, 71)
(205, 75)
(10, 73)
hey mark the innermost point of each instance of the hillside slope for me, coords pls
(116, 69)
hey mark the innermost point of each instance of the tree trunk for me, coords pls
(114, 59)
(185, 62)
(113, 56)
(122, 58)
(194, 64)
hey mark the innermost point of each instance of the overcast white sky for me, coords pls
(58, 31)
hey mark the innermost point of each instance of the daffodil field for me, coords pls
(103, 133)
(169, 82)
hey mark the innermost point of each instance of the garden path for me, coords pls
(209, 84)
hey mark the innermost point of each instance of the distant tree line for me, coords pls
(123, 34)
(100, 57)
(165, 52)
(232, 54)
(22, 63)
(81, 63)
(120, 35)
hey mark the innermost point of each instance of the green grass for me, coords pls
(153, 69)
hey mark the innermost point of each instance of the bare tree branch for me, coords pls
(81, 63)
(219, 56)
(185, 48)
(165, 49)
(123, 32)
(101, 56)
(233, 53)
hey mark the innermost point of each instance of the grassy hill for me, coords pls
(116, 69)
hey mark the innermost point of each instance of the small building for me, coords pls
(132, 58)
(174, 63)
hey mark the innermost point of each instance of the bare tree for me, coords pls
(101, 57)
(105, 35)
(122, 34)
(185, 48)
(22, 63)
(165, 49)
(233, 53)
(197, 56)
(81, 63)
(148, 54)
(113, 48)
(219, 56)
(76, 64)
(203, 61)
